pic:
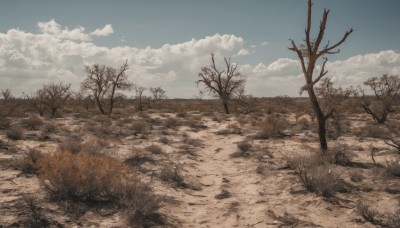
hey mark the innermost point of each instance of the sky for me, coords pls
(166, 42)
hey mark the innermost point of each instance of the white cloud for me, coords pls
(243, 52)
(56, 53)
(264, 43)
(105, 31)
(53, 28)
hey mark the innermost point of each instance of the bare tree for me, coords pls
(158, 94)
(142, 101)
(9, 104)
(386, 92)
(309, 54)
(103, 82)
(332, 101)
(221, 82)
(53, 97)
(119, 80)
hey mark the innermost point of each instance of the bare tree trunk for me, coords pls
(226, 108)
(100, 106)
(320, 118)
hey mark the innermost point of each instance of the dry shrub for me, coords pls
(393, 168)
(15, 133)
(33, 212)
(155, 149)
(316, 174)
(375, 131)
(164, 140)
(29, 163)
(49, 127)
(171, 173)
(244, 149)
(71, 145)
(273, 126)
(102, 180)
(367, 213)
(82, 176)
(33, 122)
(140, 127)
(172, 122)
(5, 123)
(139, 157)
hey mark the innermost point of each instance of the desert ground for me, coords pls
(194, 166)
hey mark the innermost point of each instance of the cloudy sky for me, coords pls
(167, 41)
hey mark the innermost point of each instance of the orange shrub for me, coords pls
(82, 176)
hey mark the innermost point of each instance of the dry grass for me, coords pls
(272, 126)
(33, 122)
(15, 133)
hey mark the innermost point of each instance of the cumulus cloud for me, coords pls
(105, 31)
(57, 53)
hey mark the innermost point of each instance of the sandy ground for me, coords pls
(252, 191)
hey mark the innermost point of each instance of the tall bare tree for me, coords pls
(386, 92)
(221, 82)
(309, 54)
(103, 82)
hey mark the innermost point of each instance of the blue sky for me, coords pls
(254, 33)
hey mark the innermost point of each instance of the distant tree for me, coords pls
(142, 101)
(386, 92)
(158, 94)
(53, 97)
(309, 54)
(103, 82)
(6, 95)
(222, 83)
(9, 103)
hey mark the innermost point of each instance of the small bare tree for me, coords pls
(221, 82)
(142, 101)
(53, 97)
(103, 82)
(331, 100)
(158, 94)
(309, 54)
(386, 92)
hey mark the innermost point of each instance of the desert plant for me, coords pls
(49, 127)
(244, 148)
(33, 122)
(273, 126)
(33, 212)
(15, 133)
(367, 213)
(103, 82)
(71, 145)
(171, 173)
(53, 97)
(222, 83)
(386, 91)
(140, 127)
(155, 149)
(316, 174)
(29, 163)
(309, 53)
(83, 176)
(393, 168)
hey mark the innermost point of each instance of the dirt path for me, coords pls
(246, 198)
